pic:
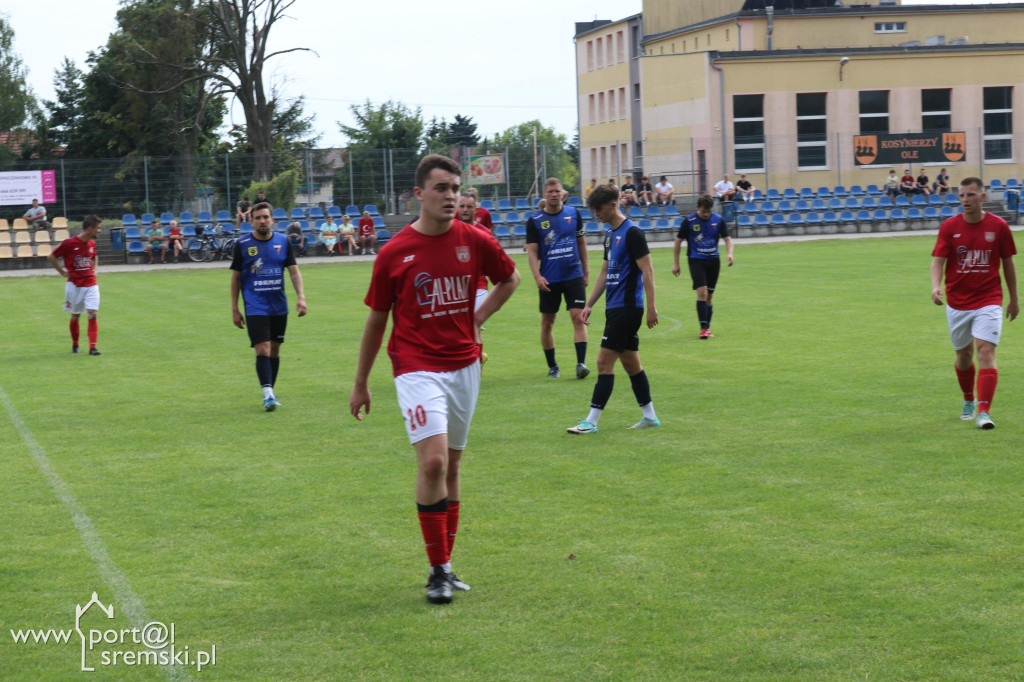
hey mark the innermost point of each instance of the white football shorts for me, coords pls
(481, 296)
(79, 299)
(439, 402)
(966, 325)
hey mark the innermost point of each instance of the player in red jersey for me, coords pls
(367, 233)
(75, 258)
(425, 277)
(969, 250)
(482, 215)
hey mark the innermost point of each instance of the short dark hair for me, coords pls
(978, 182)
(91, 221)
(263, 205)
(705, 201)
(551, 182)
(432, 161)
(602, 194)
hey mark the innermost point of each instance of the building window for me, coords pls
(874, 111)
(748, 133)
(622, 102)
(625, 156)
(592, 99)
(611, 105)
(620, 48)
(610, 47)
(600, 52)
(600, 108)
(636, 92)
(891, 27)
(811, 131)
(636, 41)
(603, 169)
(593, 163)
(590, 55)
(998, 117)
(936, 112)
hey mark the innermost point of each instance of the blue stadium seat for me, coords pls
(753, 207)
(913, 213)
(378, 222)
(1012, 184)
(371, 209)
(663, 224)
(856, 191)
(918, 200)
(935, 199)
(636, 212)
(317, 224)
(808, 193)
(818, 205)
(334, 211)
(846, 217)
(813, 218)
(497, 218)
(829, 217)
(873, 190)
(644, 224)
(224, 217)
(897, 214)
(836, 204)
(186, 217)
(304, 225)
(801, 205)
(869, 202)
(947, 212)
(901, 200)
(244, 228)
(592, 227)
(279, 214)
(951, 198)
(773, 195)
(778, 219)
(487, 203)
(297, 213)
(671, 211)
(128, 219)
(742, 221)
(785, 206)
(132, 233)
(790, 193)
(522, 204)
(205, 217)
(519, 230)
(761, 220)
(504, 205)
(795, 219)
(852, 203)
(228, 229)
(383, 235)
(136, 247)
(352, 211)
(839, 191)
(575, 202)
(758, 195)
(166, 218)
(654, 212)
(824, 193)
(146, 218)
(767, 207)
(885, 202)
(931, 212)
(188, 230)
(880, 215)
(585, 214)
(864, 215)
(512, 217)
(315, 212)
(996, 185)
(501, 231)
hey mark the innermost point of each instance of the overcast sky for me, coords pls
(500, 63)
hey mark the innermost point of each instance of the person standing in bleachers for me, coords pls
(556, 246)
(81, 292)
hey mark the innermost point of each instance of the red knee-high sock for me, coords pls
(966, 379)
(453, 524)
(74, 331)
(93, 332)
(434, 525)
(987, 380)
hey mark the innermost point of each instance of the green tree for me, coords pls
(552, 155)
(16, 98)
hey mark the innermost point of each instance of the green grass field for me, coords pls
(812, 508)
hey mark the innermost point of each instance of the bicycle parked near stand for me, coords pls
(209, 246)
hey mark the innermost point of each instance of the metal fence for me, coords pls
(340, 177)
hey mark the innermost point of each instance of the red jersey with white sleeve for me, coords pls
(973, 253)
(78, 258)
(428, 282)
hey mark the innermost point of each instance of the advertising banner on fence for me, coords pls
(484, 170)
(21, 187)
(909, 148)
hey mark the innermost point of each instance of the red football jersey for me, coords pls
(366, 226)
(973, 253)
(483, 216)
(428, 282)
(78, 260)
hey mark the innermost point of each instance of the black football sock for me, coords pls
(581, 352)
(264, 370)
(702, 314)
(549, 355)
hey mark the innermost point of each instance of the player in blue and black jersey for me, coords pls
(557, 248)
(258, 264)
(626, 278)
(701, 231)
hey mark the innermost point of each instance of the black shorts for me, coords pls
(620, 329)
(574, 291)
(704, 272)
(263, 328)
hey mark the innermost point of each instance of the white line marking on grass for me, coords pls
(110, 573)
(676, 325)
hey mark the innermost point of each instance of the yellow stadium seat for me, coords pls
(20, 224)
(5, 252)
(60, 223)
(24, 251)
(42, 237)
(60, 235)
(22, 238)
(43, 250)
(4, 225)
(5, 238)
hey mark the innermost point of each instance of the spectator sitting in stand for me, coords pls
(627, 194)
(745, 189)
(725, 191)
(243, 213)
(367, 232)
(155, 241)
(665, 193)
(907, 184)
(923, 186)
(175, 239)
(36, 216)
(296, 238)
(892, 185)
(347, 234)
(645, 192)
(329, 235)
(941, 184)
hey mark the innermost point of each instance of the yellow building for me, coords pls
(801, 93)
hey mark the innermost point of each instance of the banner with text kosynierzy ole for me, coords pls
(894, 149)
(21, 187)
(484, 170)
